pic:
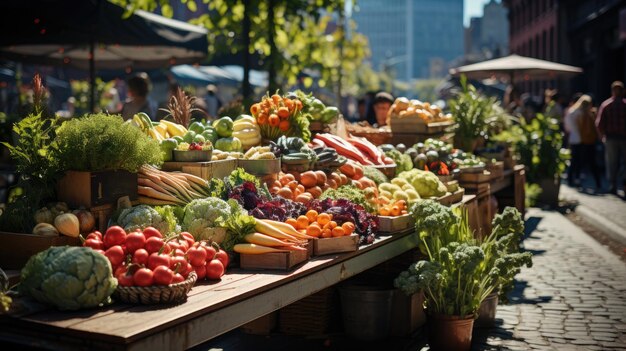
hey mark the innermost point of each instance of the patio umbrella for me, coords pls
(86, 33)
(515, 65)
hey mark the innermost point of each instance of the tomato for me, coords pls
(200, 271)
(179, 252)
(223, 257)
(100, 251)
(150, 232)
(167, 248)
(178, 278)
(115, 254)
(140, 256)
(122, 269)
(183, 244)
(210, 251)
(143, 277)
(174, 245)
(179, 264)
(214, 269)
(153, 244)
(115, 235)
(95, 235)
(187, 270)
(155, 259)
(197, 256)
(135, 241)
(189, 238)
(125, 279)
(94, 243)
(163, 275)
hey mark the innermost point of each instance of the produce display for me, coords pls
(278, 115)
(314, 109)
(320, 225)
(356, 149)
(158, 187)
(56, 218)
(302, 187)
(272, 236)
(414, 109)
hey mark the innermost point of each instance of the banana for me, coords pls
(154, 134)
(161, 129)
(174, 129)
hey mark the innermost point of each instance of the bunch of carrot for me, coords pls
(272, 236)
(156, 187)
(320, 225)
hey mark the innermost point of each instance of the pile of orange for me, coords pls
(394, 209)
(320, 225)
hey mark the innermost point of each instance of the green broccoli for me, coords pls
(142, 216)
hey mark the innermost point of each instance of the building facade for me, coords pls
(412, 38)
(488, 36)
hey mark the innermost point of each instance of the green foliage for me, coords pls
(532, 192)
(98, 142)
(238, 223)
(69, 278)
(403, 161)
(5, 300)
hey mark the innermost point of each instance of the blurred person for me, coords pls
(370, 115)
(552, 108)
(529, 108)
(138, 101)
(512, 101)
(114, 103)
(611, 123)
(382, 103)
(583, 136)
(361, 110)
(212, 101)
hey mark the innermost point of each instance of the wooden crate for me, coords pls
(17, 248)
(261, 326)
(204, 170)
(407, 313)
(313, 315)
(282, 261)
(327, 246)
(496, 169)
(92, 189)
(260, 167)
(395, 225)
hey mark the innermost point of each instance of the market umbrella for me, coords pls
(515, 65)
(83, 33)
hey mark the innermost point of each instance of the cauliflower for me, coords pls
(201, 216)
(426, 183)
(142, 216)
(69, 278)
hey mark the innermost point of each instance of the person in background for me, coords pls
(138, 101)
(361, 110)
(512, 101)
(114, 104)
(161, 111)
(572, 127)
(611, 123)
(213, 102)
(552, 107)
(382, 103)
(581, 114)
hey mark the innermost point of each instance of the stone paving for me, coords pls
(573, 298)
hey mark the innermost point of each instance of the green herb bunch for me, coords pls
(98, 141)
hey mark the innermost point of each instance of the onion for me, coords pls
(86, 220)
(45, 229)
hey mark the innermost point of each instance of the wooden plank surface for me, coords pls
(211, 309)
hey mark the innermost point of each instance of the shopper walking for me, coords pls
(611, 123)
(138, 101)
(572, 127)
(585, 118)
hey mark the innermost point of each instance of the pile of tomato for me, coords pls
(146, 258)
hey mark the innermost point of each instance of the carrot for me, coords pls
(264, 240)
(292, 248)
(255, 249)
(285, 228)
(265, 228)
(155, 202)
(150, 183)
(150, 192)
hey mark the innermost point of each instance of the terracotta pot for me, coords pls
(487, 312)
(450, 332)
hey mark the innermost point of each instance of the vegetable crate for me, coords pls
(205, 170)
(92, 189)
(17, 248)
(283, 261)
(452, 198)
(395, 225)
(260, 167)
(313, 315)
(328, 246)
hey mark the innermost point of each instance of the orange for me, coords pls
(284, 125)
(338, 231)
(273, 120)
(333, 224)
(327, 233)
(292, 222)
(302, 222)
(384, 211)
(348, 228)
(395, 210)
(314, 230)
(311, 215)
(323, 218)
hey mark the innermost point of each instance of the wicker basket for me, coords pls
(156, 294)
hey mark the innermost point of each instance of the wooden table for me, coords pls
(210, 310)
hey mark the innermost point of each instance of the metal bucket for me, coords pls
(366, 311)
(487, 312)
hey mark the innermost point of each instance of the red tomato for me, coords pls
(153, 244)
(163, 275)
(187, 271)
(115, 235)
(174, 245)
(150, 232)
(140, 257)
(214, 269)
(122, 269)
(135, 241)
(189, 238)
(223, 257)
(178, 278)
(179, 264)
(94, 243)
(95, 235)
(179, 252)
(200, 271)
(167, 248)
(197, 256)
(210, 251)
(100, 251)
(125, 279)
(155, 259)
(143, 277)
(183, 244)
(115, 254)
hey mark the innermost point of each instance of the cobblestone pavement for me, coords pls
(573, 298)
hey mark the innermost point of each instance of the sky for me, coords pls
(472, 8)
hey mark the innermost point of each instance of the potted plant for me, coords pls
(100, 155)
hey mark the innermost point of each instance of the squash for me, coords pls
(67, 224)
(45, 229)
